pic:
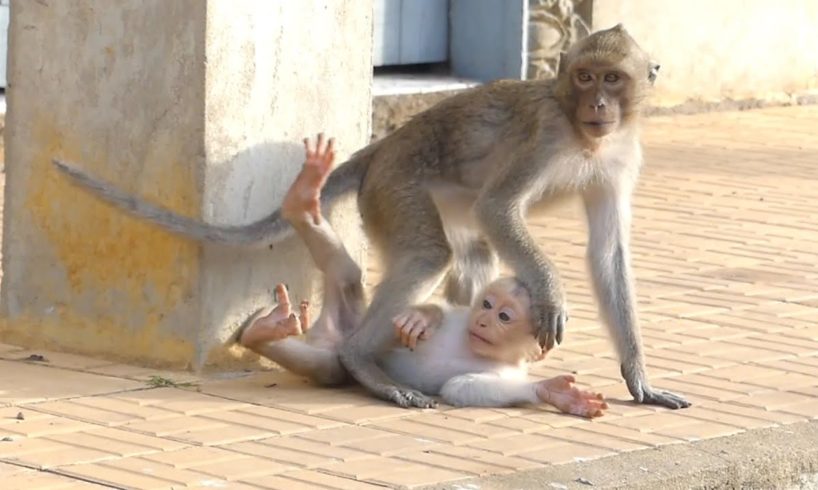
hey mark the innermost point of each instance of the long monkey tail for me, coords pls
(346, 178)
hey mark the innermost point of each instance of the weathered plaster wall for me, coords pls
(731, 49)
(199, 106)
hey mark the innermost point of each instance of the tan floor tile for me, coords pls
(40, 382)
(551, 417)
(519, 424)
(791, 366)
(112, 446)
(131, 409)
(773, 400)
(118, 477)
(566, 452)
(488, 457)
(479, 415)
(274, 420)
(36, 480)
(700, 430)
(392, 445)
(242, 468)
(348, 435)
(315, 422)
(652, 422)
(154, 469)
(514, 445)
(45, 453)
(366, 468)
(81, 412)
(721, 384)
(788, 381)
(607, 441)
(444, 421)
(626, 434)
(366, 413)
(279, 454)
(426, 432)
(10, 416)
(172, 426)
(315, 448)
(736, 420)
(807, 409)
(470, 466)
(311, 480)
(743, 373)
(133, 438)
(123, 371)
(224, 434)
(7, 469)
(191, 456)
(410, 478)
(753, 412)
(45, 426)
(182, 401)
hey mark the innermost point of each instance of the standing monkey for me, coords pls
(494, 151)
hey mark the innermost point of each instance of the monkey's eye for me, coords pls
(584, 76)
(612, 77)
(506, 315)
(486, 304)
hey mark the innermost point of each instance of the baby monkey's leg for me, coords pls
(343, 292)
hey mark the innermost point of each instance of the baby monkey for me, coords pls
(474, 356)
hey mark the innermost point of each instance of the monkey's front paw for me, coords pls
(552, 320)
(410, 398)
(643, 393)
(664, 399)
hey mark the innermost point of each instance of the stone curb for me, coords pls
(784, 457)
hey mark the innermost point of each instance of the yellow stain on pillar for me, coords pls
(103, 251)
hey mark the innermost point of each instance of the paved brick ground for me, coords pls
(725, 248)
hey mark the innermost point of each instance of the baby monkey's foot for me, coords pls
(561, 392)
(302, 201)
(278, 324)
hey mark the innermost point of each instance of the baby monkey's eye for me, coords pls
(585, 76)
(612, 77)
(486, 304)
(504, 316)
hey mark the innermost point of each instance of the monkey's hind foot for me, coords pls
(410, 398)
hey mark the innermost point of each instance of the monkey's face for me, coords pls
(600, 91)
(500, 327)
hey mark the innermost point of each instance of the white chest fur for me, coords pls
(574, 168)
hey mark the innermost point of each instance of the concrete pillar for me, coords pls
(198, 105)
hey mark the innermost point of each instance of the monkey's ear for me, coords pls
(653, 71)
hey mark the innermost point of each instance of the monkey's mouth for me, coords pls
(479, 337)
(598, 124)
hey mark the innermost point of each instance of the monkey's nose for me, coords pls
(597, 106)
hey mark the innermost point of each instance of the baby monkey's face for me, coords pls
(500, 324)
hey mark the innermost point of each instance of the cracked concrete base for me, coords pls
(777, 458)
